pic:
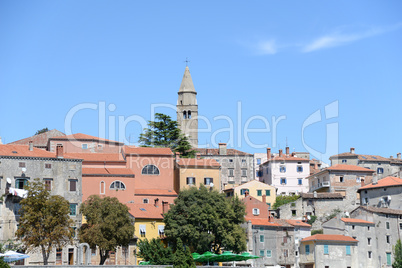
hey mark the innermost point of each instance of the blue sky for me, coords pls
(281, 59)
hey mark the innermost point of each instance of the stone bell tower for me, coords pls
(187, 109)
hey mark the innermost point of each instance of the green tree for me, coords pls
(182, 257)
(164, 132)
(108, 224)
(155, 252)
(44, 220)
(43, 130)
(3, 264)
(284, 199)
(397, 255)
(205, 219)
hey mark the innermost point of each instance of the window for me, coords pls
(150, 170)
(231, 172)
(326, 249)
(48, 165)
(161, 230)
(259, 192)
(369, 254)
(389, 260)
(299, 168)
(283, 180)
(293, 212)
(230, 160)
(368, 228)
(243, 160)
(20, 183)
(268, 192)
(262, 253)
(117, 185)
(282, 169)
(73, 209)
(17, 207)
(353, 227)
(258, 161)
(190, 180)
(48, 184)
(388, 239)
(380, 170)
(244, 172)
(269, 205)
(258, 173)
(358, 179)
(262, 238)
(269, 253)
(93, 251)
(189, 114)
(142, 230)
(299, 181)
(256, 211)
(73, 185)
(261, 228)
(84, 146)
(387, 224)
(348, 250)
(184, 115)
(102, 187)
(145, 201)
(344, 160)
(285, 253)
(58, 256)
(400, 226)
(243, 191)
(285, 239)
(369, 241)
(75, 232)
(341, 179)
(21, 164)
(208, 181)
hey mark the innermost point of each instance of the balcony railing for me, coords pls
(324, 184)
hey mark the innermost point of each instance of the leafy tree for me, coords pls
(164, 132)
(44, 220)
(284, 199)
(108, 224)
(155, 252)
(3, 264)
(397, 255)
(205, 219)
(43, 130)
(182, 258)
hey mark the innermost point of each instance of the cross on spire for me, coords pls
(186, 61)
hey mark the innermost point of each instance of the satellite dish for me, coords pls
(24, 169)
(8, 180)
(347, 214)
(211, 184)
(308, 217)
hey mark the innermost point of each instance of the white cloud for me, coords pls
(339, 39)
(267, 47)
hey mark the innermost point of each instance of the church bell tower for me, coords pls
(187, 109)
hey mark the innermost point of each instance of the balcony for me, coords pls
(324, 184)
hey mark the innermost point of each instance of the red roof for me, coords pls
(342, 167)
(198, 162)
(298, 223)
(349, 220)
(83, 137)
(385, 182)
(96, 157)
(285, 157)
(23, 151)
(326, 237)
(263, 222)
(40, 140)
(114, 172)
(155, 192)
(209, 151)
(145, 211)
(131, 150)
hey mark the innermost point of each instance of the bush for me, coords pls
(312, 220)
(314, 232)
(284, 199)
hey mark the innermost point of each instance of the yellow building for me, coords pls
(255, 189)
(193, 172)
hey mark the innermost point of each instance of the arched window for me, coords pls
(184, 115)
(189, 114)
(150, 170)
(102, 187)
(117, 185)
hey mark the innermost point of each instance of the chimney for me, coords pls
(30, 145)
(315, 194)
(1, 141)
(398, 155)
(59, 151)
(177, 156)
(375, 181)
(362, 182)
(222, 149)
(156, 202)
(264, 199)
(268, 153)
(352, 150)
(280, 153)
(165, 207)
(287, 150)
(198, 156)
(391, 157)
(245, 193)
(315, 165)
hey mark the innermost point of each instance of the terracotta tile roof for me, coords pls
(363, 157)
(298, 223)
(381, 210)
(97, 157)
(385, 182)
(40, 140)
(198, 162)
(210, 151)
(131, 150)
(322, 196)
(286, 158)
(342, 167)
(264, 222)
(23, 151)
(326, 237)
(349, 220)
(161, 192)
(145, 211)
(112, 172)
(84, 137)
